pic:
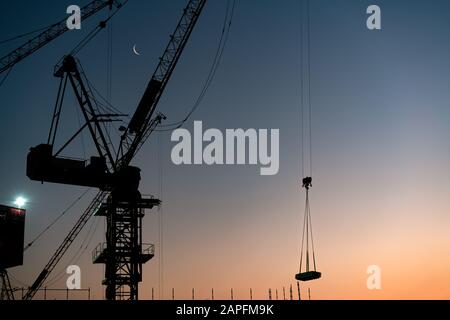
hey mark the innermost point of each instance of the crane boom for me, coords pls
(46, 36)
(139, 129)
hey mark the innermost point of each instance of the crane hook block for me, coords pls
(307, 182)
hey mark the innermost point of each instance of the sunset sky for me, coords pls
(381, 152)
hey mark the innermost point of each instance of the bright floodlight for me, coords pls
(20, 202)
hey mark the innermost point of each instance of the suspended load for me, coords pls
(306, 271)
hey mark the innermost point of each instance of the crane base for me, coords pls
(308, 276)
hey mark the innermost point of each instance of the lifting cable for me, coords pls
(96, 30)
(19, 282)
(160, 218)
(103, 104)
(99, 106)
(228, 19)
(26, 34)
(56, 220)
(108, 99)
(78, 254)
(5, 77)
(78, 47)
(91, 35)
(307, 252)
(109, 59)
(109, 54)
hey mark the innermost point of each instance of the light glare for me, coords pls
(20, 202)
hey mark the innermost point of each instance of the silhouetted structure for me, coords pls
(119, 199)
(307, 182)
(307, 241)
(12, 228)
(52, 32)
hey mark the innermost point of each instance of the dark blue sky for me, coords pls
(380, 135)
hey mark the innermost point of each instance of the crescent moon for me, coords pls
(135, 51)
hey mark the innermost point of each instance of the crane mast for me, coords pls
(119, 199)
(49, 34)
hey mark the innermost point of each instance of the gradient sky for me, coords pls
(381, 114)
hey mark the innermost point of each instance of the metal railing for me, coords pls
(62, 294)
(147, 248)
(99, 249)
